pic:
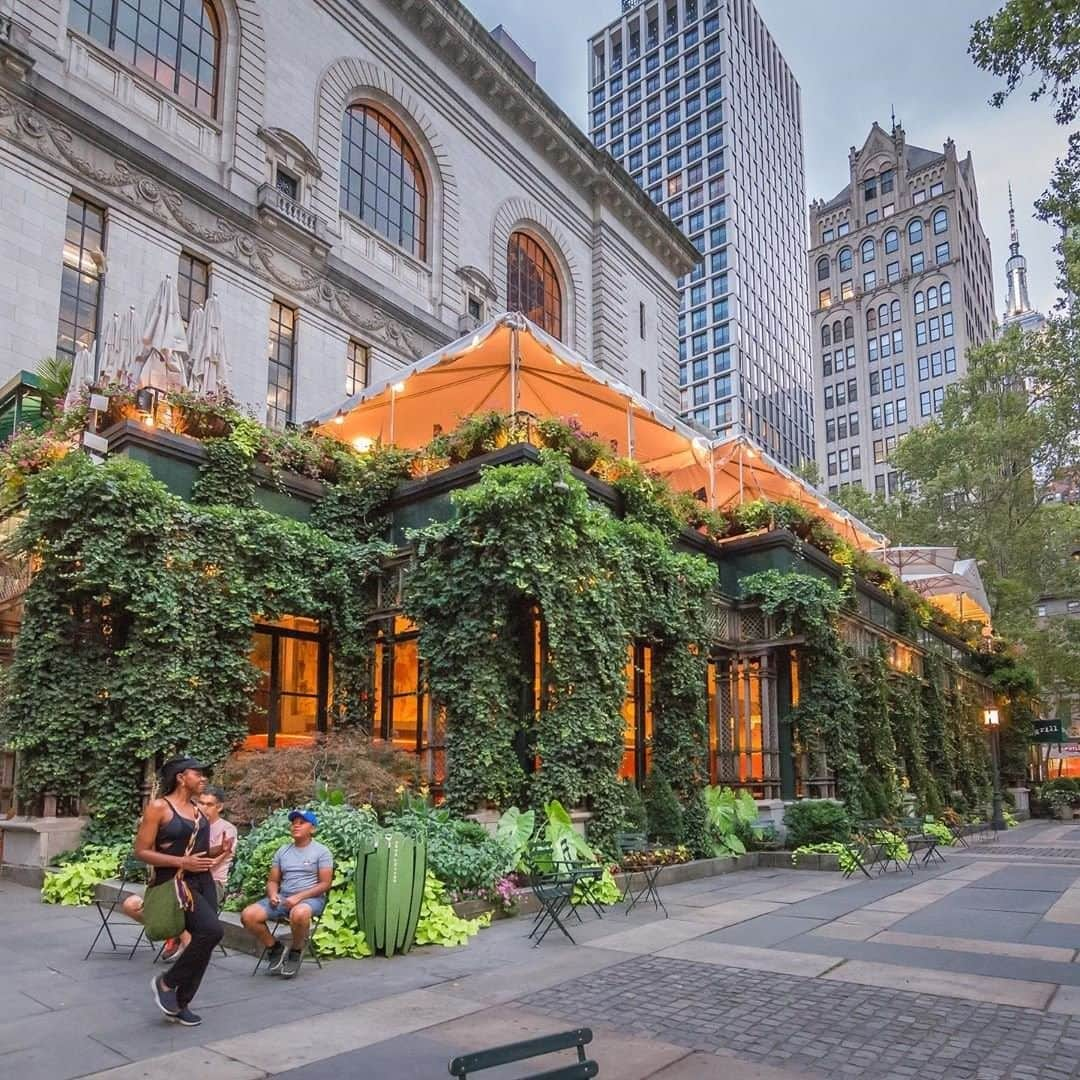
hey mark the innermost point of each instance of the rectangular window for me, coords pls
(830, 431)
(875, 384)
(356, 368)
(918, 262)
(282, 361)
(886, 346)
(870, 188)
(920, 333)
(924, 403)
(941, 252)
(852, 391)
(847, 290)
(825, 298)
(843, 228)
(841, 427)
(901, 410)
(853, 424)
(879, 484)
(826, 364)
(892, 272)
(828, 397)
(840, 391)
(935, 328)
(830, 460)
(886, 378)
(898, 341)
(871, 349)
(899, 379)
(936, 189)
(869, 280)
(192, 283)
(947, 324)
(875, 417)
(887, 179)
(889, 413)
(844, 459)
(939, 398)
(856, 459)
(924, 368)
(879, 452)
(935, 365)
(918, 196)
(950, 361)
(826, 236)
(80, 278)
(871, 217)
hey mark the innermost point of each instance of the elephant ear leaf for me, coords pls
(514, 831)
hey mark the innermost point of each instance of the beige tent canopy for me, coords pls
(951, 584)
(511, 365)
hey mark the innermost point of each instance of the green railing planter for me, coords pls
(389, 883)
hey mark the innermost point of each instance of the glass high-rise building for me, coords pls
(695, 100)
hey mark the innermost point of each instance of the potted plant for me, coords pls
(1062, 803)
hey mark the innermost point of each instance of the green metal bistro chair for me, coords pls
(130, 867)
(309, 950)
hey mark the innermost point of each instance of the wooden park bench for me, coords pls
(464, 1066)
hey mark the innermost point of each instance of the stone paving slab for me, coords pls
(727, 913)
(976, 898)
(948, 919)
(197, 1061)
(1032, 995)
(976, 945)
(651, 938)
(782, 961)
(765, 930)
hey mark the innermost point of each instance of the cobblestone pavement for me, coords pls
(818, 1027)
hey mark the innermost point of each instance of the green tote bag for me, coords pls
(163, 914)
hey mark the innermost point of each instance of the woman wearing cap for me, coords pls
(173, 838)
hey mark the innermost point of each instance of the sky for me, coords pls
(856, 60)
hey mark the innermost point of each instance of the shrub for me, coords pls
(634, 819)
(665, 814)
(816, 821)
(77, 880)
(257, 782)
(696, 830)
(461, 854)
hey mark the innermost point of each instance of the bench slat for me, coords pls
(519, 1051)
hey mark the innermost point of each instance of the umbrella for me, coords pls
(209, 357)
(197, 342)
(128, 349)
(165, 340)
(82, 375)
(108, 356)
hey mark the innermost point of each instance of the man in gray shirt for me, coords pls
(296, 889)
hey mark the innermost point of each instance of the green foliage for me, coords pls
(338, 933)
(893, 845)
(513, 832)
(845, 857)
(665, 814)
(696, 833)
(439, 924)
(826, 716)
(526, 542)
(54, 378)
(604, 892)
(908, 720)
(76, 882)
(730, 817)
(816, 821)
(940, 832)
(460, 853)
(877, 745)
(634, 818)
(138, 619)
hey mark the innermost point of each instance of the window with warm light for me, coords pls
(637, 714)
(532, 286)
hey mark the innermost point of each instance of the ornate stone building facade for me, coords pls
(357, 183)
(901, 286)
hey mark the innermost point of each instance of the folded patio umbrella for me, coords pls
(108, 356)
(82, 375)
(165, 342)
(128, 348)
(209, 356)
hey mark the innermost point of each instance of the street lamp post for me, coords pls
(992, 723)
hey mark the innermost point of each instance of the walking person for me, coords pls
(174, 839)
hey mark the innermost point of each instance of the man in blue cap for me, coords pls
(296, 889)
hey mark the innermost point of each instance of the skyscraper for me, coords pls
(1018, 309)
(694, 98)
(901, 287)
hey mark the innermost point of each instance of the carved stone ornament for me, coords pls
(58, 144)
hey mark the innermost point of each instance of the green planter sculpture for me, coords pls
(390, 874)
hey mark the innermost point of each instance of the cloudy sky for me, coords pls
(855, 60)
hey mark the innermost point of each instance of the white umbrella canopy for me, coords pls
(128, 348)
(165, 341)
(209, 356)
(108, 354)
(82, 375)
(196, 333)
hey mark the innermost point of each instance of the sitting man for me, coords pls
(296, 890)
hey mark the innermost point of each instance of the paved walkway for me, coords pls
(965, 971)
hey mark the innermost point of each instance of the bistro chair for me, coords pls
(637, 843)
(130, 867)
(308, 952)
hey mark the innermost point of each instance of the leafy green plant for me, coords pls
(460, 853)
(816, 821)
(940, 832)
(566, 843)
(893, 845)
(730, 817)
(604, 891)
(513, 832)
(665, 813)
(845, 857)
(439, 924)
(634, 818)
(75, 883)
(338, 933)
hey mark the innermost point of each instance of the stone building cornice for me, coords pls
(39, 117)
(451, 31)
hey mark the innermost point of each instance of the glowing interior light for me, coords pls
(362, 443)
(398, 388)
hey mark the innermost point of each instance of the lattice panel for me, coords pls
(752, 625)
(718, 622)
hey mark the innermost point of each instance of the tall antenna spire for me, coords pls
(1014, 235)
(1019, 304)
(892, 109)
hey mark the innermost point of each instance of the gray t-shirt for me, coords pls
(300, 866)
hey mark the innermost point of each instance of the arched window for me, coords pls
(946, 293)
(836, 332)
(892, 241)
(894, 311)
(176, 43)
(381, 180)
(931, 297)
(823, 268)
(868, 250)
(871, 319)
(920, 303)
(844, 259)
(883, 315)
(941, 220)
(532, 286)
(826, 334)
(914, 231)
(849, 328)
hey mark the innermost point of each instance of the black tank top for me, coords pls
(173, 836)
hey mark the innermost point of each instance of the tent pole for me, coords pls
(393, 402)
(630, 430)
(740, 474)
(712, 480)
(513, 371)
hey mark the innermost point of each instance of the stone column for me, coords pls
(137, 258)
(245, 309)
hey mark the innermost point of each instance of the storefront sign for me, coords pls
(1047, 731)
